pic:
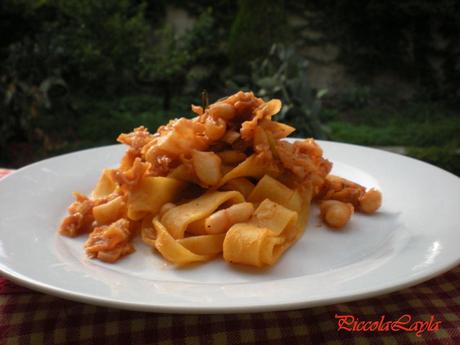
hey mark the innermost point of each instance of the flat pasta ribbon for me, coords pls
(222, 182)
(184, 251)
(263, 239)
(150, 194)
(172, 250)
(297, 200)
(105, 185)
(178, 218)
(251, 167)
(270, 188)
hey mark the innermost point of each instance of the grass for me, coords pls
(429, 131)
(101, 121)
(88, 122)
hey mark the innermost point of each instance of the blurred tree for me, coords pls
(101, 41)
(166, 63)
(257, 25)
(58, 50)
(283, 74)
(67, 56)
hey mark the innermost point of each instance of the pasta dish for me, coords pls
(222, 183)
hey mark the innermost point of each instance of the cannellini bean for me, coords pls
(370, 201)
(222, 110)
(232, 156)
(207, 166)
(231, 136)
(341, 189)
(215, 128)
(222, 220)
(336, 213)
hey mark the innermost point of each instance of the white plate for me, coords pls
(415, 236)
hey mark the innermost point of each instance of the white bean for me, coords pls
(222, 220)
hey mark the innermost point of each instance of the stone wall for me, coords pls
(326, 70)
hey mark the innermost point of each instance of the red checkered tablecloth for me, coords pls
(428, 313)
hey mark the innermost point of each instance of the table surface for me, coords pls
(428, 313)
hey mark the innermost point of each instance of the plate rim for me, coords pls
(130, 306)
(77, 296)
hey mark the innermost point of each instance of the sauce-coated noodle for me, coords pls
(224, 183)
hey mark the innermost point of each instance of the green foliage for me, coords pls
(76, 73)
(104, 120)
(73, 62)
(94, 121)
(409, 126)
(428, 131)
(102, 40)
(257, 25)
(68, 45)
(85, 42)
(169, 64)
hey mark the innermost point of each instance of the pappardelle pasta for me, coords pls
(222, 183)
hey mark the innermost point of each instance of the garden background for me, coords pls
(76, 73)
